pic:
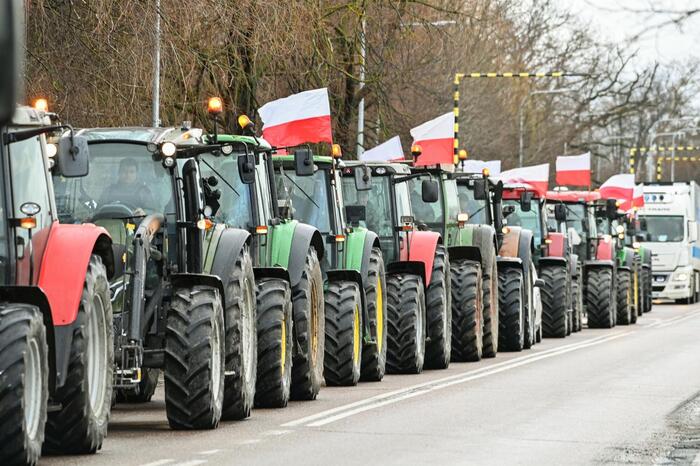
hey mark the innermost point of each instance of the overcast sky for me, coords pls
(613, 22)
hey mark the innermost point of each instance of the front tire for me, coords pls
(24, 372)
(600, 298)
(406, 324)
(194, 359)
(624, 297)
(554, 302)
(374, 353)
(343, 311)
(512, 307)
(491, 306)
(80, 425)
(467, 311)
(274, 376)
(438, 313)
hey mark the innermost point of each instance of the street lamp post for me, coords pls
(521, 119)
(156, 70)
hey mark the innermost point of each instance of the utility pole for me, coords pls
(155, 121)
(361, 106)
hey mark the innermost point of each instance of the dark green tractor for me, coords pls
(287, 258)
(309, 190)
(183, 292)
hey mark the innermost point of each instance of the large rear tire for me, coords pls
(554, 301)
(646, 273)
(624, 297)
(600, 298)
(491, 306)
(438, 313)
(343, 311)
(512, 310)
(577, 302)
(195, 359)
(80, 425)
(467, 311)
(308, 330)
(24, 372)
(241, 340)
(274, 310)
(406, 324)
(374, 353)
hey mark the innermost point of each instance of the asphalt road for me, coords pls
(620, 396)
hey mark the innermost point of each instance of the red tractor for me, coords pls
(56, 337)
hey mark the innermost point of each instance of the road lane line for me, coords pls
(411, 393)
(533, 354)
(190, 463)
(209, 452)
(276, 432)
(159, 462)
(675, 321)
(384, 396)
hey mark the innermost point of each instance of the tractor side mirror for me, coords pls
(303, 162)
(643, 224)
(480, 189)
(246, 168)
(355, 214)
(611, 209)
(526, 201)
(430, 191)
(498, 192)
(363, 178)
(560, 213)
(73, 156)
(11, 56)
(507, 210)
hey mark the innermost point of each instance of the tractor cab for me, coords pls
(580, 219)
(481, 199)
(526, 208)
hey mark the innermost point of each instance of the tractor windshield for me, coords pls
(123, 181)
(235, 201)
(430, 213)
(308, 197)
(529, 220)
(474, 208)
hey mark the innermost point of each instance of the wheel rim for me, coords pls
(96, 354)
(215, 359)
(283, 350)
(380, 316)
(32, 388)
(356, 336)
(313, 324)
(248, 329)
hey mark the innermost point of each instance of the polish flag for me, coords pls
(384, 152)
(637, 200)
(477, 166)
(574, 170)
(298, 119)
(536, 177)
(436, 138)
(620, 187)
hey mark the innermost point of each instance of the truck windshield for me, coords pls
(235, 202)
(475, 209)
(307, 197)
(663, 228)
(123, 180)
(429, 213)
(528, 220)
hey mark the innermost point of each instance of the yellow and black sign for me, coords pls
(661, 151)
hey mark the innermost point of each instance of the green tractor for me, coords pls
(309, 189)
(183, 291)
(471, 249)
(643, 281)
(416, 267)
(286, 262)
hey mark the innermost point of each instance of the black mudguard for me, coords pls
(472, 253)
(188, 280)
(304, 236)
(573, 265)
(598, 263)
(408, 267)
(59, 345)
(271, 272)
(484, 237)
(526, 246)
(231, 242)
(371, 241)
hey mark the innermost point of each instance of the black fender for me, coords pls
(229, 247)
(598, 264)
(554, 261)
(58, 356)
(188, 280)
(526, 246)
(371, 241)
(408, 267)
(573, 265)
(271, 272)
(352, 276)
(305, 236)
(472, 253)
(509, 263)
(484, 237)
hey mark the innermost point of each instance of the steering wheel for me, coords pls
(115, 210)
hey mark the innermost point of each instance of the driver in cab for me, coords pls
(128, 190)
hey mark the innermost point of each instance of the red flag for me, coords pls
(436, 138)
(574, 170)
(535, 177)
(297, 119)
(620, 187)
(637, 200)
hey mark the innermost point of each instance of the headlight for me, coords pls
(168, 149)
(620, 229)
(681, 277)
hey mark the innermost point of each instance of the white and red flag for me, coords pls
(436, 138)
(384, 152)
(620, 187)
(637, 200)
(535, 176)
(477, 166)
(574, 170)
(297, 119)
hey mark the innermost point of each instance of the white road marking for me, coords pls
(678, 319)
(209, 452)
(191, 463)
(159, 462)
(330, 415)
(276, 432)
(248, 442)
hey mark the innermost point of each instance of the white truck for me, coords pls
(669, 228)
